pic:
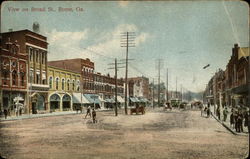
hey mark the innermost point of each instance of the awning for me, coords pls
(144, 100)
(108, 100)
(77, 98)
(134, 99)
(92, 98)
(120, 99)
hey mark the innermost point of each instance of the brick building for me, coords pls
(230, 87)
(13, 75)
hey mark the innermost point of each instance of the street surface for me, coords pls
(157, 134)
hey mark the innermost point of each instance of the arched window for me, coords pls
(68, 84)
(50, 82)
(78, 85)
(14, 77)
(62, 84)
(57, 83)
(73, 85)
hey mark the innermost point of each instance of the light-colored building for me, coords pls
(63, 85)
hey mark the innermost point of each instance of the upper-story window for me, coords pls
(78, 85)
(37, 55)
(22, 78)
(63, 81)
(68, 81)
(50, 82)
(14, 78)
(31, 54)
(73, 85)
(57, 83)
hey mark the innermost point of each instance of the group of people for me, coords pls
(91, 113)
(206, 110)
(239, 117)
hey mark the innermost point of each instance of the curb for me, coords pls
(224, 125)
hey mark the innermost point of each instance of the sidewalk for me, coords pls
(226, 124)
(29, 116)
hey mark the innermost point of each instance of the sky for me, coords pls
(184, 35)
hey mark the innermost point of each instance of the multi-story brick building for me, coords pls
(34, 47)
(13, 75)
(83, 66)
(92, 84)
(230, 87)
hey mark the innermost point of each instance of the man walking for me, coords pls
(94, 115)
(5, 111)
(88, 112)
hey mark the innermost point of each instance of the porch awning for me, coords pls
(120, 99)
(77, 98)
(108, 100)
(92, 98)
(134, 99)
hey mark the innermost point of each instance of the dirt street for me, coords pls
(157, 134)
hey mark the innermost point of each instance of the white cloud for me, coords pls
(67, 45)
(64, 45)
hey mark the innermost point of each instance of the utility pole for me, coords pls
(116, 87)
(167, 86)
(181, 93)
(176, 89)
(158, 66)
(153, 94)
(116, 69)
(127, 41)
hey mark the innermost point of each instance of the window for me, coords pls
(14, 76)
(37, 78)
(78, 85)
(22, 78)
(37, 55)
(57, 83)
(30, 54)
(62, 84)
(50, 82)
(73, 85)
(68, 84)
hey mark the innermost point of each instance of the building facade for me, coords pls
(230, 87)
(34, 47)
(13, 76)
(62, 86)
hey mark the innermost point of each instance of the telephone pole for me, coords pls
(167, 86)
(176, 89)
(127, 40)
(116, 68)
(159, 79)
(153, 94)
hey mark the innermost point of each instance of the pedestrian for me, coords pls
(94, 115)
(225, 112)
(240, 119)
(208, 111)
(232, 120)
(88, 112)
(201, 108)
(246, 119)
(5, 111)
(218, 112)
